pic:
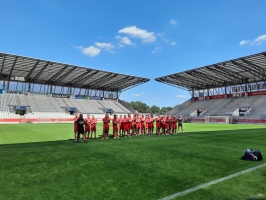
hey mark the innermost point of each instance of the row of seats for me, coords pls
(42, 106)
(224, 106)
(6, 100)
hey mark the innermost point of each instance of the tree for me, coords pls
(144, 108)
(163, 110)
(155, 109)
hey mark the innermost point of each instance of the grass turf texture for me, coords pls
(38, 161)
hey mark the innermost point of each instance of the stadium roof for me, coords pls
(243, 70)
(32, 70)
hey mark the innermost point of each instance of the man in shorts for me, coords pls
(124, 126)
(180, 123)
(158, 124)
(93, 122)
(76, 126)
(106, 121)
(174, 121)
(81, 123)
(87, 127)
(115, 121)
(120, 127)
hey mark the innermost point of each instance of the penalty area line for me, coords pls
(182, 193)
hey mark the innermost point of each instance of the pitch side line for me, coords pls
(211, 183)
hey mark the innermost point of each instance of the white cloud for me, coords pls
(136, 32)
(173, 43)
(181, 96)
(243, 42)
(173, 22)
(124, 40)
(136, 95)
(90, 51)
(103, 45)
(259, 39)
(156, 49)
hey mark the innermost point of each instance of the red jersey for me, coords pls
(129, 119)
(75, 123)
(163, 121)
(87, 122)
(147, 120)
(106, 120)
(115, 121)
(75, 119)
(93, 122)
(124, 121)
(134, 119)
(174, 120)
(158, 119)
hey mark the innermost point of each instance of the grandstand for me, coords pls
(37, 89)
(234, 88)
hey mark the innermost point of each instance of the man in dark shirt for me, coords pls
(180, 120)
(81, 122)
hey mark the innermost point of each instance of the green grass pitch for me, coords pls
(41, 161)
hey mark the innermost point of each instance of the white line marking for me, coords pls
(211, 183)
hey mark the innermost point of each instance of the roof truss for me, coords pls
(245, 70)
(37, 71)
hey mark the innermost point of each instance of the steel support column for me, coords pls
(10, 74)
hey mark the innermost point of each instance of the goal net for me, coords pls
(217, 119)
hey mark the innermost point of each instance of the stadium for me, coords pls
(232, 91)
(39, 159)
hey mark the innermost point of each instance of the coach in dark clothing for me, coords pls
(81, 123)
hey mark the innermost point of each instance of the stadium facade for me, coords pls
(37, 88)
(238, 87)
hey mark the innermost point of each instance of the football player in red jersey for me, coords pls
(120, 125)
(124, 125)
(147, 119)
(115, 121)
(163, 124)
(129, 124)
(76, 126)
(174, 121)
(93, 122)
(170, 124)
(106, 121)
(87, 127)
(158, 124)
(134, 123)
(151, 125)
(142, 124)
(138, 125)
(167, 125)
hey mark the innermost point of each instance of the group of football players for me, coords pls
(127, 126)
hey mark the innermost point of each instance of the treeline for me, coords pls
(144, 108)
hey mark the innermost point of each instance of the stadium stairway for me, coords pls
(123, 109)
(130, 109)
(17, 101)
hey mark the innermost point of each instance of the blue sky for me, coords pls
(148, 38)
